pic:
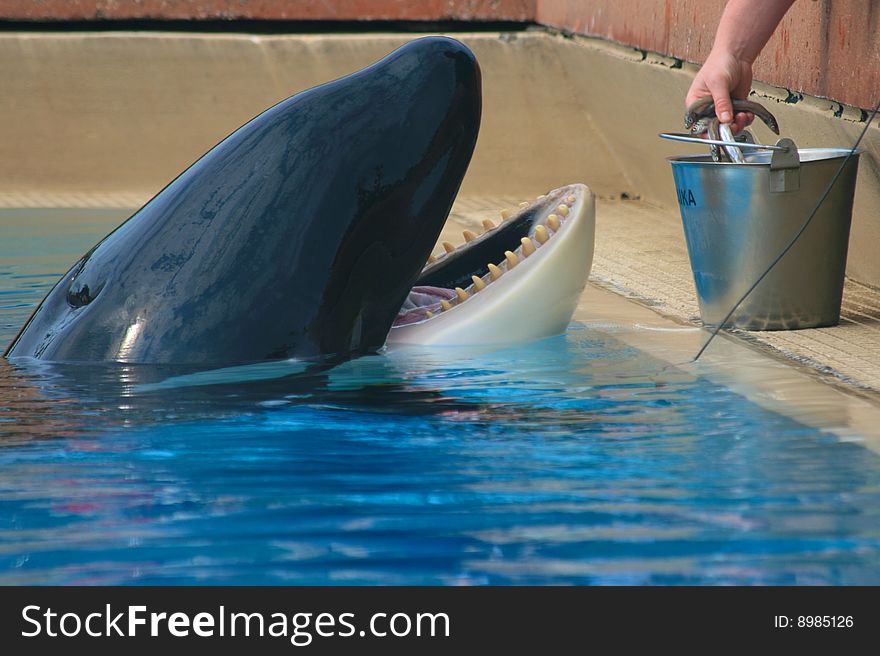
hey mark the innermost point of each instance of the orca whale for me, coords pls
(306, 236)
(298, 236)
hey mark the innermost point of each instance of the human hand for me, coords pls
(722, 76)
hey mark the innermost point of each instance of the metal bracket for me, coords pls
(785, 168)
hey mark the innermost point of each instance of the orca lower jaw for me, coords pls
(517, 281)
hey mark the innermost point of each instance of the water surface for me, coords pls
(572, 460)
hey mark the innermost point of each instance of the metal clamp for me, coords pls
(785, 168)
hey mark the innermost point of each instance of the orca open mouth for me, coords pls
(503, 265)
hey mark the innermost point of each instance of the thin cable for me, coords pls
(794, 239)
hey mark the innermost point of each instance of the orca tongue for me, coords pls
(420, 301)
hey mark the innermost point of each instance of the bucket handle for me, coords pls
(785, 162)
(784, 145)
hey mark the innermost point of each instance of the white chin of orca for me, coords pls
(524, 295)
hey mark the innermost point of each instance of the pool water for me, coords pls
(575, 460)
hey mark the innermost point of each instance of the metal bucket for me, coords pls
(739, 217)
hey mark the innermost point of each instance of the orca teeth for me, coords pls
(542, 233)
(470, 235)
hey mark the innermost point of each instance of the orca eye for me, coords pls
(85, 283)
(80, 295)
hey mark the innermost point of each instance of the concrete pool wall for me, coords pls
(124, 112)
(107, 118)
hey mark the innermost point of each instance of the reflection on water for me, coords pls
(566, 461)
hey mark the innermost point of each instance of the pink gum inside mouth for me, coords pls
(420, 301)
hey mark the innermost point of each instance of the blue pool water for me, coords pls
(566, 461)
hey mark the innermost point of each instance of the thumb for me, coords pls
(721, 96)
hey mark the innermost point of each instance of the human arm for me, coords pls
(743, 31)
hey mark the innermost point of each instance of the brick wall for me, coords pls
(822, 47)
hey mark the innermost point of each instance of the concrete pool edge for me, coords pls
(772, 383)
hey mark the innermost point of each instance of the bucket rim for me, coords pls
(806, 155)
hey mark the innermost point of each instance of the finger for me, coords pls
(698, 90)
(721, 96)
(744, 87)
(741, 121)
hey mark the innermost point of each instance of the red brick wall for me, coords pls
(823, 47)
(416, 10)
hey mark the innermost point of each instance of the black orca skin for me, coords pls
(299, 235)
